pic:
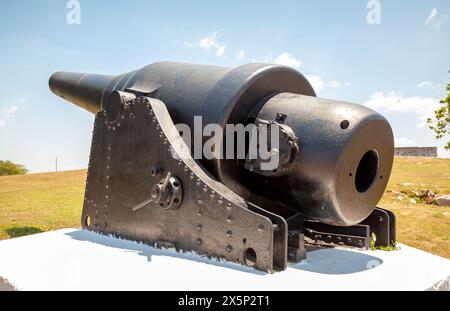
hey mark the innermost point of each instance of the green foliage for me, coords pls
(389, 248)
(441, 124)
(9, 168)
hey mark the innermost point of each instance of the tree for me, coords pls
(441, 124)
(9, 168)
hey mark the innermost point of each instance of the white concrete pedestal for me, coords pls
(72, 259)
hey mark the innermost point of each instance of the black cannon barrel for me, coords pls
(346, 150)
(84, 90)
(344, 163)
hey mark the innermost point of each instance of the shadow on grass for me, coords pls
(15, 232)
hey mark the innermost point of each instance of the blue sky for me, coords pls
(398, 67)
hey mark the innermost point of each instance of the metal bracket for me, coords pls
(324, 234)
(382, 226)
(131, 153)
(286, 151)
(378, 227)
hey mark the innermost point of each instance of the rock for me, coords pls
(423, 194)
(413, 201)
(443, 200)
(400, 198)
(431, 200)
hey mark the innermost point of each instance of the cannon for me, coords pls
(147, 180)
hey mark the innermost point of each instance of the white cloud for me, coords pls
(432, 16)
(287, 59)
(221, 50)
(403, 142)
(316, 82)
(338, 84)
(428, 85)
(241, 54)
(393, 101)
(209, 43)
(435, 19)
(6, 113)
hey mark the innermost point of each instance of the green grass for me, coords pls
(420, 225)
(41, 202)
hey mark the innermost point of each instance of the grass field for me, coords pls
(41, 202)
(420, 225)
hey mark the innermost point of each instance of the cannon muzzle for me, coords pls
(84, 90)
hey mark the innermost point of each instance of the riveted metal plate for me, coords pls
(325, 234)
(131, 154)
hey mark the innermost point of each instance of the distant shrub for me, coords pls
(9, 168)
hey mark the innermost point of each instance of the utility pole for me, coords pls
(56, 164)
